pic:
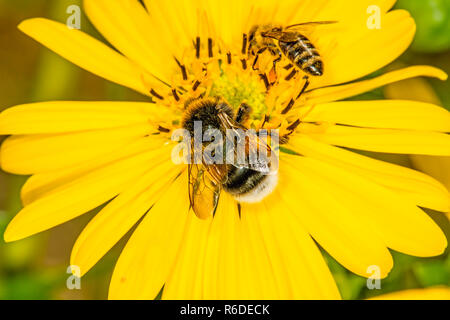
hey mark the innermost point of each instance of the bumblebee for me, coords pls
(248, 182)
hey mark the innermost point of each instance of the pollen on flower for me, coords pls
(236, 90)
(209, 70)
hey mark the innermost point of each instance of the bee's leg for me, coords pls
(305, 86)
(243, 113)
(277, 53)
(291, 75)
(292, 101)
(260, 51)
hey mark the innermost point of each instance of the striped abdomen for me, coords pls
(248, 185)
(303, 54)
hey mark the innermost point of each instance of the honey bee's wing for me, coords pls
(277, 35)
(204, 190)
(260, 156)
(281, 36)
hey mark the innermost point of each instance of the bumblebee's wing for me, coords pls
(259, 156)
(203, 191)
(264, 159)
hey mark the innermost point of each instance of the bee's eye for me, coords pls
(276, 29)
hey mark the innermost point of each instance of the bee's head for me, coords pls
(274, 32)
(206, 112)
(277, 29)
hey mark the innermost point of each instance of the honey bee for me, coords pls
(249, 182)
(290, 42)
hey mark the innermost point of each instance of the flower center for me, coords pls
(210, 70)
(236, 90)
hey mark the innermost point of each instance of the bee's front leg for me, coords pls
(260, 51)
(278, 59)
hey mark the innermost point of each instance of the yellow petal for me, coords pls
(231, 282)
(385, 140)
(332, 224)
(119, 216)
(84, 51)
(186, 279)
(421, 90)
(354, 50)
(229, 22)
(69, 116)
(412, 89)
(354, 11)
(435, 293)
(79, 196)
(437, 167)
(260, 218)
(398, 222)
(42, 184)
(256, 264)
(46, 152)
(299, 267)
(353, 89)
(127, 26)
(416, 186)
(174, 22)
(385, 114)
(147, 259)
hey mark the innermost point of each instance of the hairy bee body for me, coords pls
(246, 183)
(258, 43)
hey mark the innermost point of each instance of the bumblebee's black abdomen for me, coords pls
(249, 186)
(242, 180)
(303, 54)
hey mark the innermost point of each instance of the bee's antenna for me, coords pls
(310, 23)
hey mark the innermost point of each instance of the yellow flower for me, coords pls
(83, 154)
(435, 293)
(419, 90)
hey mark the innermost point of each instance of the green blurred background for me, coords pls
(35, 268)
